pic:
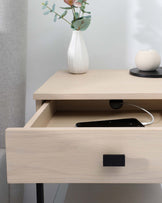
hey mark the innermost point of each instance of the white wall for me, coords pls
(118, 30)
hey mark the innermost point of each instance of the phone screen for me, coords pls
(129, 122)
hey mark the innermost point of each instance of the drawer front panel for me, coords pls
(71, 155)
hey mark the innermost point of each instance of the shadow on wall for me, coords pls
(107, 36)
(115, 193)
(149, 23)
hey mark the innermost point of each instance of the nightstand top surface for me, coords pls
(99, 84)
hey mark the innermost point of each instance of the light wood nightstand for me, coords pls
(50, 149)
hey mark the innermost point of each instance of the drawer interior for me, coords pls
(68, 113)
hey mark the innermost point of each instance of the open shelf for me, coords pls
(70, 118)
(52, 115)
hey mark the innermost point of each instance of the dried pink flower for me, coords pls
(77, 4)
(74, 3)
(70, 2)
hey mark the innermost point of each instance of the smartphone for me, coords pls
(128, 122)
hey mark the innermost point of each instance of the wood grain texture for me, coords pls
(70, 118)
(38, 104)
(103, 105)
(99, 84)
(70, 155)
(42, 116)
(49, 116)
(51, 150)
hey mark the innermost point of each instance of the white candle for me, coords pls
(148, 60)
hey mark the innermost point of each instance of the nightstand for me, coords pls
(50, 149)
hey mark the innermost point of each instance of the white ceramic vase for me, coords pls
(78, 59)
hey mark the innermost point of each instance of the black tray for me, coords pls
(146, 74)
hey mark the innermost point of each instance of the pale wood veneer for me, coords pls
(99, 84)
(70, 155)
(50, 149)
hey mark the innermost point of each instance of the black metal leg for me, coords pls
(40, 192)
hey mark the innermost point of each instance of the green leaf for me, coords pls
(81, 23)
(55, 18)
(43, 7)
(66, 8)
(82, 7)
(46, 12)
(46, 3)
(76, 15)
(88, 12)
(53, 7)
(63, 15)
(80, 1)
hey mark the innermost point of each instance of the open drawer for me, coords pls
(50, 149)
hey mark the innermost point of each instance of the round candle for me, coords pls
(148, 60)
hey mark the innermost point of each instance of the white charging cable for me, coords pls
(150, 114)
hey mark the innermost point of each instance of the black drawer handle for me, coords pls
(113, 160)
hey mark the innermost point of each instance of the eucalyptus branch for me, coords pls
(73, 10)
(79, 12)
(80, 18)
(56, 13)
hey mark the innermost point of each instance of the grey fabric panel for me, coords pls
(8, 193)
(12, 64)
(13, 17)
(4, 188)
(16, 193)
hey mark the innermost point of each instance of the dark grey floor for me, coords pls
(115, 193)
